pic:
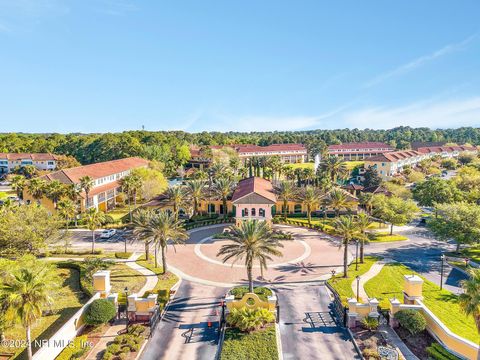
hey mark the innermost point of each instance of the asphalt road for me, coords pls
(307, 327)
(184, 332)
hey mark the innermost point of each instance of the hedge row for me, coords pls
(85, 285)
(75, 350)
(189, 226)
(437, 352)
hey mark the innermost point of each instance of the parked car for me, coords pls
(13, 198)
(107, 234)
(4, 183)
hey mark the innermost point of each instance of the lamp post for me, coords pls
(442, 258)
(358, 287)
(466, 262)
(356, 254)
(126, 308)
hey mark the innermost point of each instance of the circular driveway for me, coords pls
(309, 256)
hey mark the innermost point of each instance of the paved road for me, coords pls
(308, 330)
(193, 307)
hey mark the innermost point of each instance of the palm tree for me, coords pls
(141, 219)
(363, 222)
(310, 200)
(163, 229)
(335, 167)
(470, 299)
(178, 197)
(67, 210)
(136, 185)
(251, 240)
(223, 187)
(54, 191)
(36, 188)
(337, 200)
(196, 191)
(25, 293)
(128, 184)
(94, 220)
(86, 184)
(347, 228)
(366, 200)
(286, 192)
(18, 183)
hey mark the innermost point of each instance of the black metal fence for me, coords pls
(339, 310)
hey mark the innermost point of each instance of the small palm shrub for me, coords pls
(370, 323)
(411, 320)
(262, 292)
(371, 354)
(100, 312)
(248, 320)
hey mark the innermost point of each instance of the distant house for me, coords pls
(106, 178)
(358, 151)
(391, 163)
(41, 161)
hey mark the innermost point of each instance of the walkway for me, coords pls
(371, 273)
(394, 339)
(307, 326)
(183, 333)
(150, 276)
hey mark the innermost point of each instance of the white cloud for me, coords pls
(420, 61)
(432, 114)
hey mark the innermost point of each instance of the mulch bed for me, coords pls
(416, 343)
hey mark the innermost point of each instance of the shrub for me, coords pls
(437, 352)
(371, 354)
(261, 291)
(99, 312)
(411, 320)
(123, 255)
(136, 330)
(370, 323)
(248, 320)
(75, 350)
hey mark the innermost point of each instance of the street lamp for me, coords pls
(442, 258)
(126, 308)
(333, 272)
(356, 255)
(467, 260)
(358, 287)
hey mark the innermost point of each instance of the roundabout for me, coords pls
(309, 256)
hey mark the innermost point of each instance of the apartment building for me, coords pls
(41, 161)
(447, 151)
(106, 178)
(358, 151)
(288, 153)
(391, 163)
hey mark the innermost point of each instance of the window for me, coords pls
(211, 208)
(253, 212)
(51, 163)
(261, 212)
(244, 212)
(297, 208)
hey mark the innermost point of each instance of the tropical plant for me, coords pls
(335, 167)
(223, 187)
(162, 229)
(337, 199)
(196, 189)
(86, 184)
(18, 184)
(252, 241)
(286, 192)
(366, 200)
(178, 197)
(94, 220)
(141, 220)
(470, 299)
(67, 211)
(54, 190)
(310, 200)
(370, 323)
(346, 227)
(363, 221)
(36, 188)
(248, 320)
(26, 292)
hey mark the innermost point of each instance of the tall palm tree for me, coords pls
(286, 192)
(163, 229)
(25, 293)
(18, 183)
(86, 184)
(338, 200)
(366, 200)
(136, 185)
(310, 200)
(196, 189)
(363, 221)
(36, 188)
(94, 220)
(470, 299)
(252, 241)
(141, 220)
(130, 185)
(223, 187)
(178, 197)
(335, 167)
(54, 191)
(67, 211)
(347, 228)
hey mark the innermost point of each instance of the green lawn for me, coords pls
(122, 276)
(473, 253)
(389, 283)
(261, 344)
(165, 281)
(301, 166)
(386, 237)
(67, 301)
(344, 285)
(353, 164)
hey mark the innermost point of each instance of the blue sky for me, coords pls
(114, 65)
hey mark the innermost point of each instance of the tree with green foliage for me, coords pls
(196, 189)
(248, 320)
(223, 188)
(470, 299)
(449, 164)
(99, 312)
(335, 168)
(86, 184)
(26, 292)
(458, 221)
(252, 241)
(394, 210)
(67, 211)
(371, 177)
(465, 158)
(411, 320)
(436, 191)
(36, 187)
(287, 191)
(346, 227)
(363, 222)
(18, 184)
(54, 190)
(94, 219)
(310, 199)
(337, 199)
(141, 219)
(178, 196)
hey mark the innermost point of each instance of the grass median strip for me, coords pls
(261, 344)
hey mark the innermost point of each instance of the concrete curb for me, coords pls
(279, 341)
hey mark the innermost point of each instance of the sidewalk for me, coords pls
(393, 338)
(371, 273)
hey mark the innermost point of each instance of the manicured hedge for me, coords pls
(85, 284)
(437, 352)
(261, 291)
(123, 255)
(100, 312)
(411, 320)
(261, 344)
(75, 350)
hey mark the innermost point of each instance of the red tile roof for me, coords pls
(97, 170)
(245, 149)
(29, 156)
(394, 156)
(442, 149)
(360, 145)
(254, 185)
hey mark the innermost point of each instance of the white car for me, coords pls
(107, 234)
